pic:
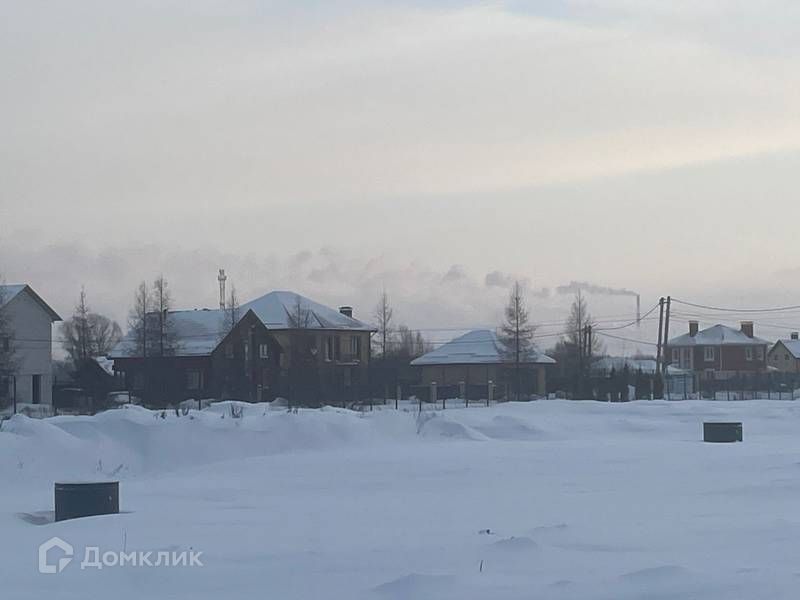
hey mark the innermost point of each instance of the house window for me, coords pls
(228, 350)
(355, 346)
(246, 352)
(709, 373)
(687, 358)
(194, 379)
(6, 344)
(759, 353)
(708, 353)
(328, 348)
(785, 357)
(676, 355)
(748, 353)
(263, 350)
(337, 348)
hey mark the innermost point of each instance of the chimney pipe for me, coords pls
(795, 335)
(347, 311)
(638, 310)
(747, 328)
(694, 327)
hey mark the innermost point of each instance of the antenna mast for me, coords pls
(222, 278)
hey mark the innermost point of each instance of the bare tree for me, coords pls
(137, 320)
(383, 316)
(516, 333)
(421, 345)
(87, 334)
(578, 321)
(230, 315)
(579, 345)
(409, 344)
(76, 331)
(304, 387)
(300, 315)
(164, 338)
(105, 333)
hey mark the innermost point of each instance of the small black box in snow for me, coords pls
(86, 499)
(722, 432)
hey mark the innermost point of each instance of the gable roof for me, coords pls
(478, 347)
(9, 292)
(793, 346)
(718, 335)
(198, 332)
(276, 309)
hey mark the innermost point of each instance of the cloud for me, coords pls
(454, 273)
(574, 287)
(223, 109)
(404, 139)
(423, 297)
(498, 279)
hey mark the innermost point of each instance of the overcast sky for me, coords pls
(437, 149)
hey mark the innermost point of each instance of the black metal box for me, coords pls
(722, 432)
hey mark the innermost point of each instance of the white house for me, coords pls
(30, 339)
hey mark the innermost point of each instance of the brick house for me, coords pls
(784, 356)
(282, 345)
(718, 352)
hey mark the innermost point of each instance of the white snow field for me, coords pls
(549, 499)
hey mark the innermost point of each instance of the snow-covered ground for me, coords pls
(551, 499)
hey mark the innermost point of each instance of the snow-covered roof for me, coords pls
(718, 335)
(276, 310)
(618, 363)
(11, 291)
(480, 346)
(104, 363)
(793, 346)
(199, 331)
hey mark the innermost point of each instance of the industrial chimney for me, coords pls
(347, 311)
(638, 310)
(222, 278)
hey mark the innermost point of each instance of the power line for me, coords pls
(625, 339)
(632, 323)
(738, 310)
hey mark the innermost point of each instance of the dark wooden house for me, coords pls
(281, 345)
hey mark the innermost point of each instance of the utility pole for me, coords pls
(665, 342)
(589, 341)
(660, 333)
(579, 382)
